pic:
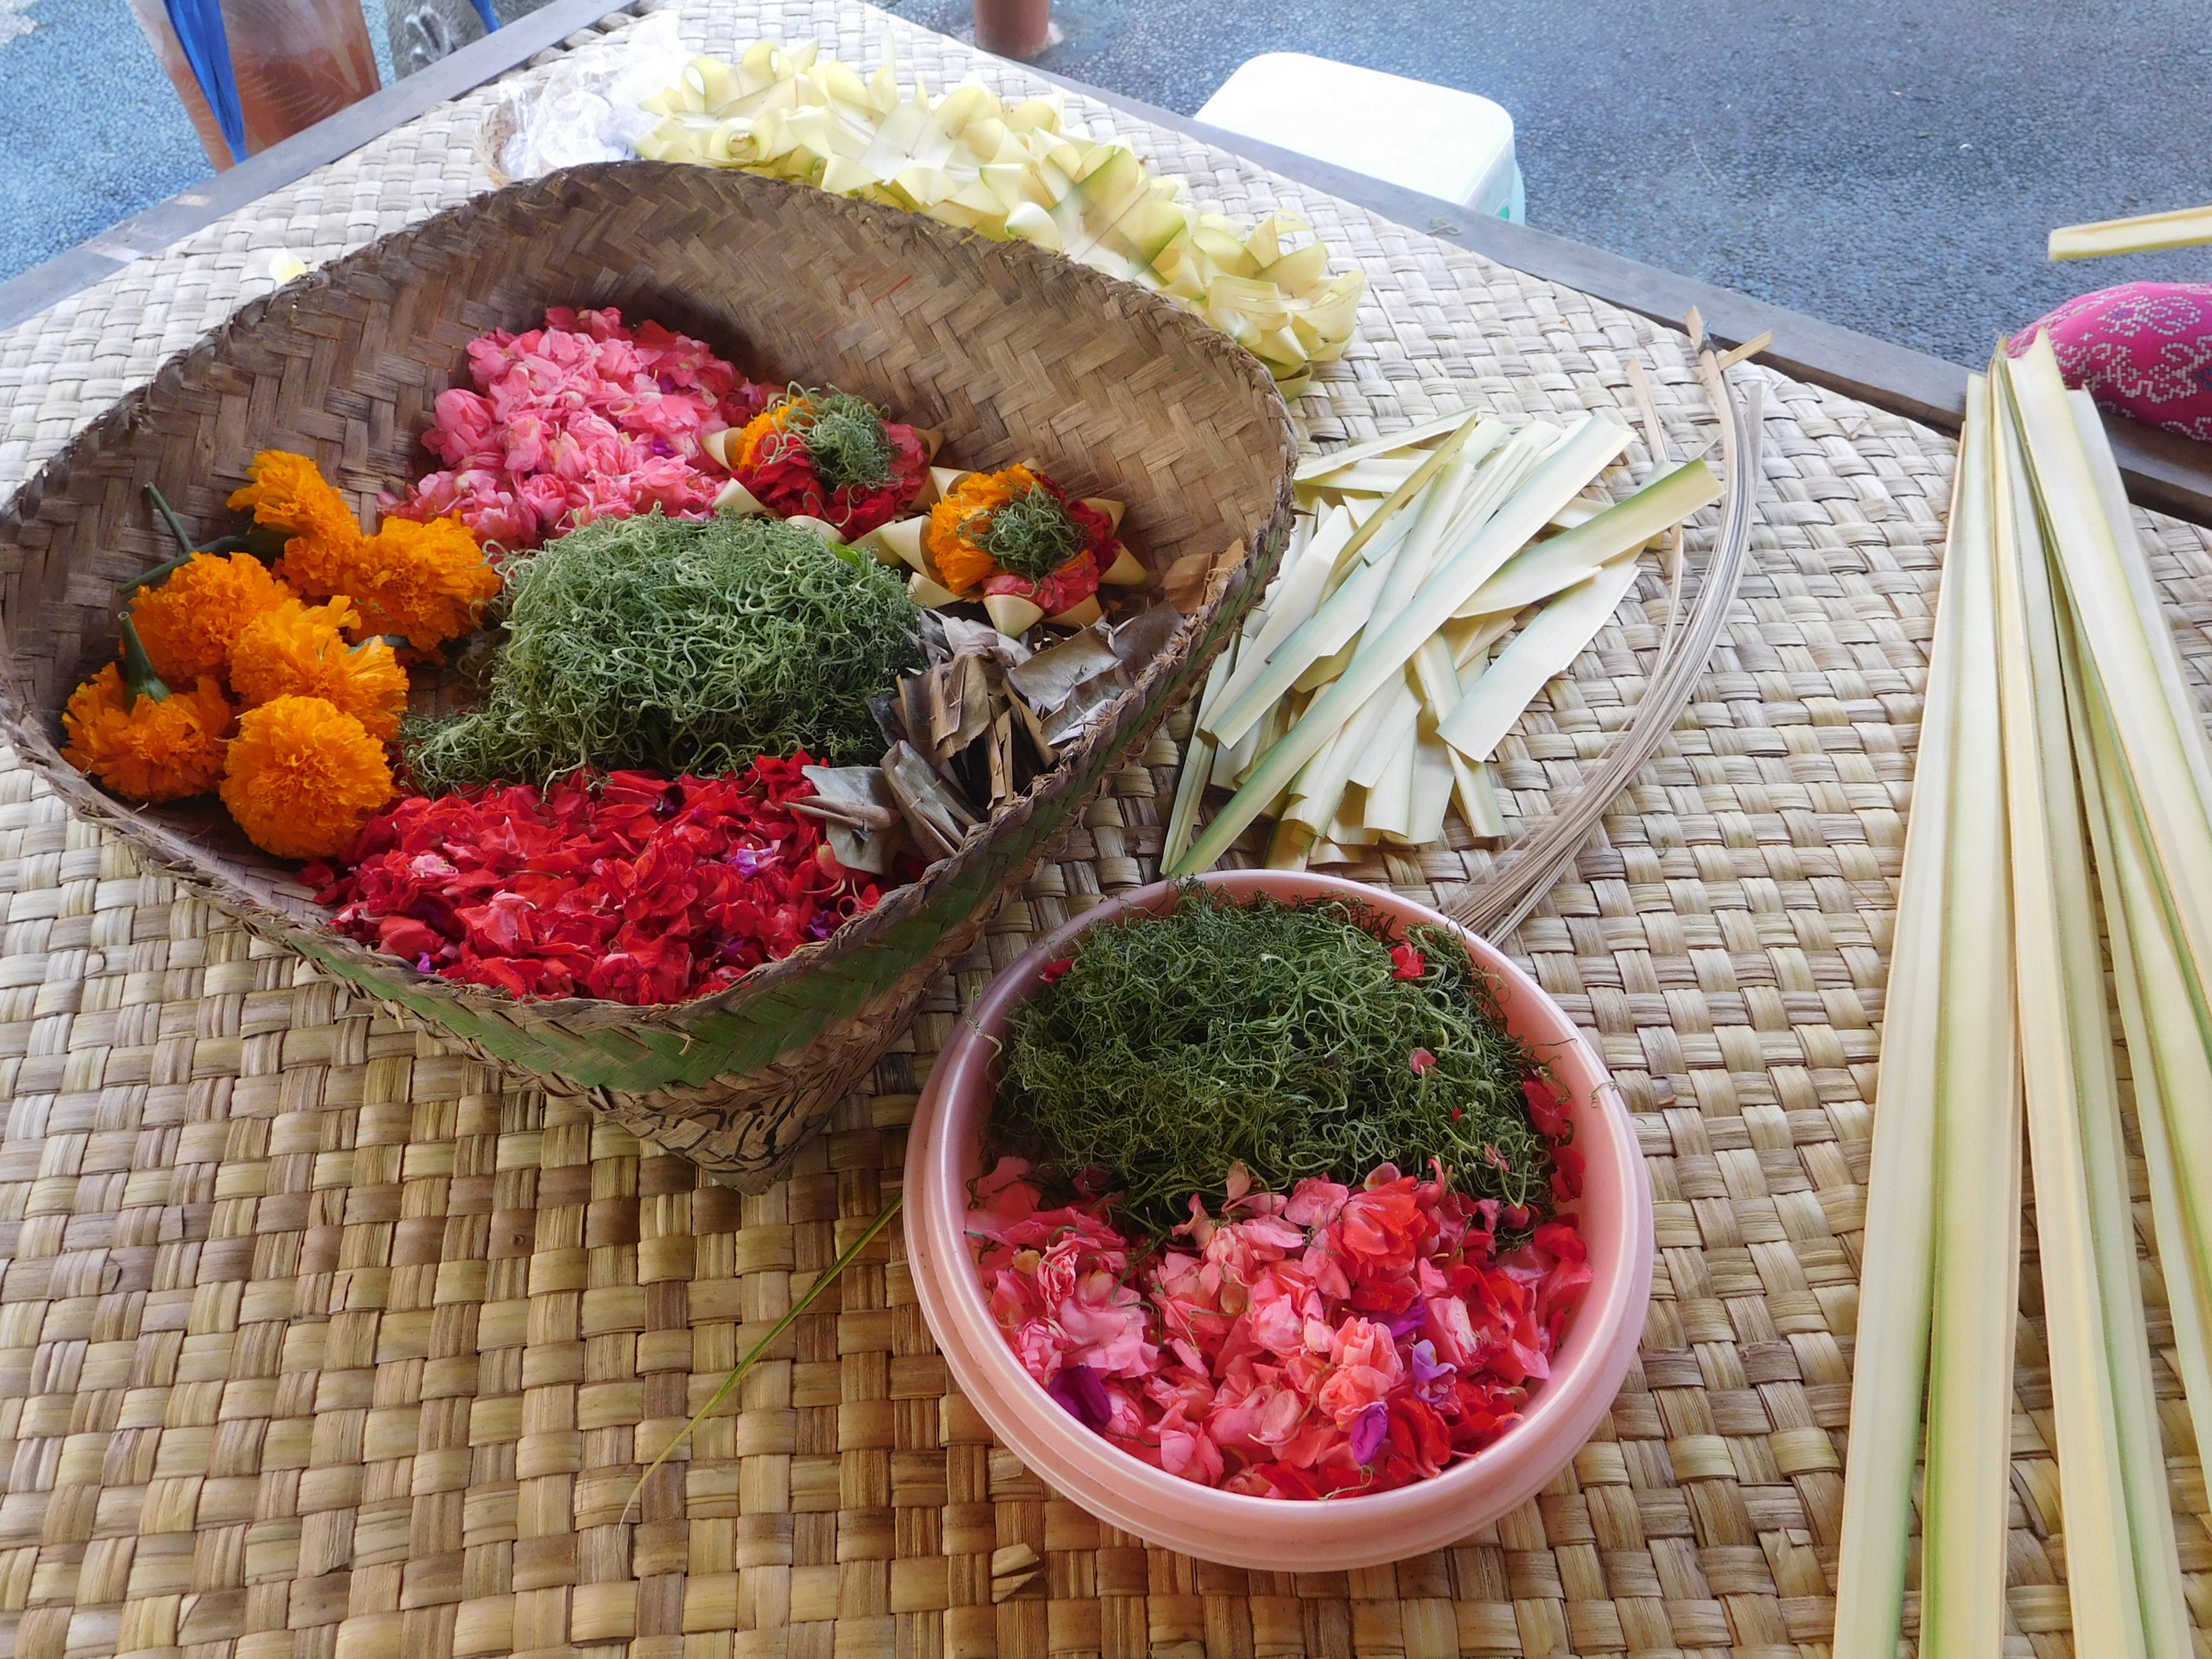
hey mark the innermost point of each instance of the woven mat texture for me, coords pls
(317, 1340)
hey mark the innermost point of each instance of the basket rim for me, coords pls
(1109, 296)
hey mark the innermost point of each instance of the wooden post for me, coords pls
(296, 61)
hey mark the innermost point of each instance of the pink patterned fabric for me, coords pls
(2143, 350)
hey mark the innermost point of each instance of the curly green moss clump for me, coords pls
(1032, 535)
(846, 439)
(1284, 1036)
(675, 645)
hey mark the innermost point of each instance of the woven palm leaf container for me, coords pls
(1013, 353)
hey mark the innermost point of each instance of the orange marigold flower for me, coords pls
(301, 650)
(289, 494)
(762, 426)
(318, 566)
(146, 750)
(950, 536)
(190, 622)
(302, 776)
(424, 581)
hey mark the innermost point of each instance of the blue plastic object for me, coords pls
(484, 10)
(199, 26)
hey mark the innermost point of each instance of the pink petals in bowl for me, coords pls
(1322, 1343)
(1613, 1218)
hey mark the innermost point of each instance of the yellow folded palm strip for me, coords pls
(970, 160)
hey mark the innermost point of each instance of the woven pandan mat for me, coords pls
(316, 1340)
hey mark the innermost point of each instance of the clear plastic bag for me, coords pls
(586, 110)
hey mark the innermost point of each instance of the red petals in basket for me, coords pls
(632, 888)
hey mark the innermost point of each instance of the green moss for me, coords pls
(1273, 1035)
(1032, 535)
(678, 646)
(845, 438)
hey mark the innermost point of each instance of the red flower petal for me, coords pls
(633, 887)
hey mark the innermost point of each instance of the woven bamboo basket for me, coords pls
(1013, 353)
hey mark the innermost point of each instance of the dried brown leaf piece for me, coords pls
(859, 814)
(939, 819)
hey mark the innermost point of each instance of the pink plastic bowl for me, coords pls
(1274, 1534)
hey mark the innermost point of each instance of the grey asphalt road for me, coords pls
(90, 130)
(1891, 165)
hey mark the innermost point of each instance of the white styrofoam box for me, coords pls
(1434, 139)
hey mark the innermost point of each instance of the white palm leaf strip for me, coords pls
(2123, 1576)
(1889, 1350)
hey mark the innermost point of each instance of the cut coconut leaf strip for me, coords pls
(1320, 788)
(2162, 995)
(1331, 629)
(1369, 768)
(2170, 1066)
(2143, 233)
(1474, 434)
(2164, 1614)
(2124, 640)
(1896, 1275)
(1977, 1200)
(1549, 567)
(1389, 443)
(2123, 1577)
(1197, 764)
(1428, 539)
(1432, 784)
(1586, 452)
(1294, 594)
(2175, 1038)
(1378, 476)
(1548, 646)
(1387, 812)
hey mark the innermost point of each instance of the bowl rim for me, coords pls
(1597, 1361)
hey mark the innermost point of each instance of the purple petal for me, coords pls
(1432, 1376)
(1082, 1392)
(1403, 1325)
(1369, 1430)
